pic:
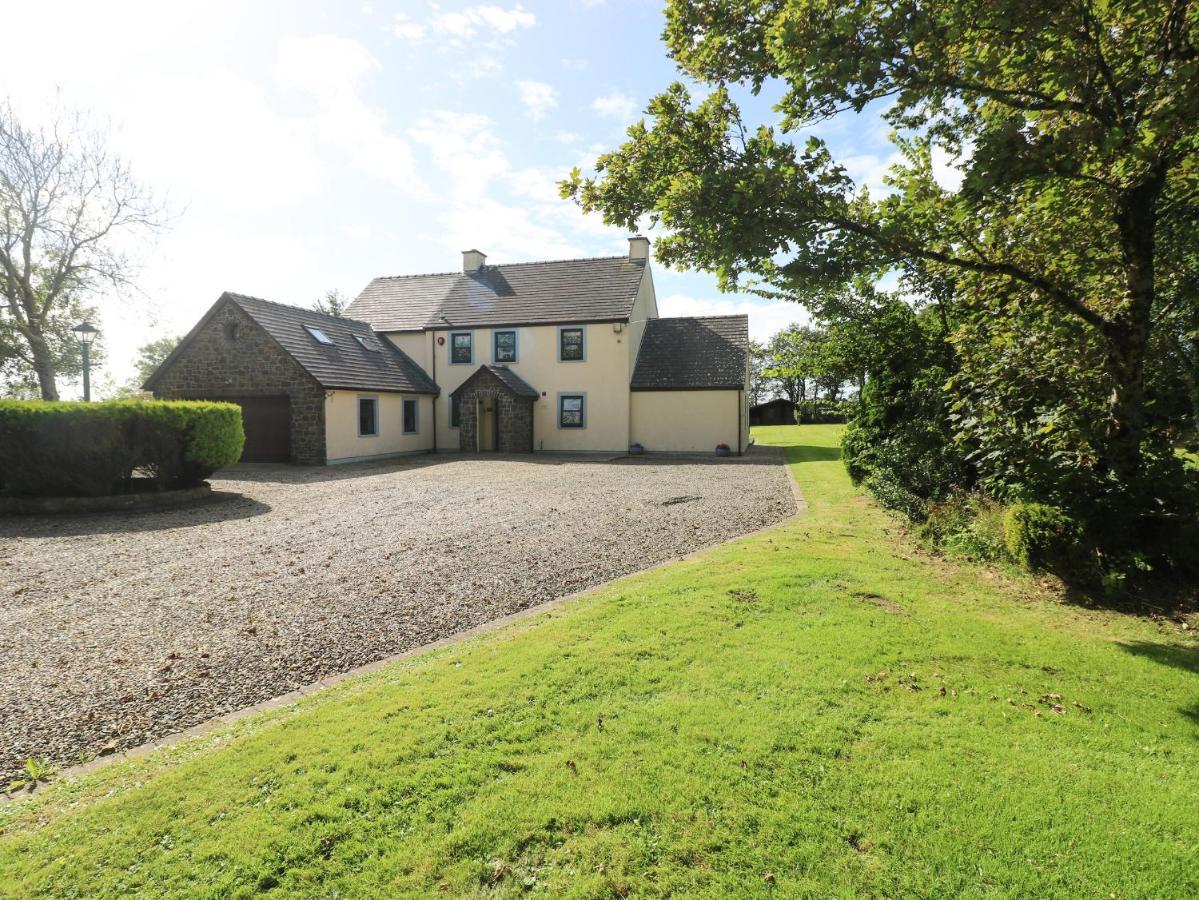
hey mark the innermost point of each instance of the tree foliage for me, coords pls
(1054, 291)
(331, 303)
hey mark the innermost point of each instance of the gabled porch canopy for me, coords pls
(495, 411)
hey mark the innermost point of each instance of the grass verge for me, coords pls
(815, 709)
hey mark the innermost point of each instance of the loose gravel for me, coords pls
(116, 629)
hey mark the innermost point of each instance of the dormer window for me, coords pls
(368, 344)
(319, 336)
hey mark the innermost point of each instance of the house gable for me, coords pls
(229, 356)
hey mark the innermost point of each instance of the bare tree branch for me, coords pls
(67, 206)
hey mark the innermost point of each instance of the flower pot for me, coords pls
(636, 450)
(723, 450)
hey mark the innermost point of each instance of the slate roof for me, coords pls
(570, 290)
(692, 353)
(345, 363)
(511, 380)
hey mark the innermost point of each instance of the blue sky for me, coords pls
(304, 146)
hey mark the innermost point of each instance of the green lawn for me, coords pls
(764, 718)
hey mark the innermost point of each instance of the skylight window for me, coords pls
(318, 335)
(368, 344)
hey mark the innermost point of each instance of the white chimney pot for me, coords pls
(473, 260)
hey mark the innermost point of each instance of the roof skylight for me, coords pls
(319, 335)
(368, 344)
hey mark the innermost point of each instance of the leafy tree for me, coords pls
(759, 384)
(1078, 125)
(67, 209)
(333, 303)
(787, 362)
(151, 355)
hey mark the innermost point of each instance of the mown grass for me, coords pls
(764, 718)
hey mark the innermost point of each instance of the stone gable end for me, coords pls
(232, 356)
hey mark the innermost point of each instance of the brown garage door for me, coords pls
(267, 421)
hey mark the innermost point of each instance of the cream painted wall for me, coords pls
(687, 420)
(603, 376)
(341, 425)
(645, 306)
(415, 344)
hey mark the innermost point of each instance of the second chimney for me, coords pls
(638, 247)
(473, 260)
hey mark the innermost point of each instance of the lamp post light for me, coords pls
(85, 332)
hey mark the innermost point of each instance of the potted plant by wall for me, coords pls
(636, 449)
(723, 450)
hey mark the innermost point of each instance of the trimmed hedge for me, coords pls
(92, 449)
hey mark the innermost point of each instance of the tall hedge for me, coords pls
(91, 449)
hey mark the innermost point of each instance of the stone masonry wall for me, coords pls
(233, 357)
(515, 415)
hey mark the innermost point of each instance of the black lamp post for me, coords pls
(86, 333)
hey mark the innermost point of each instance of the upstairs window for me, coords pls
(570, 411)
(505, 346)
(319, 336)
(461, 347)
(570, 344)
(368, 416)
(409, 417)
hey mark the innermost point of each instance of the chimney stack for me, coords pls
(638, 247)
(473, 260)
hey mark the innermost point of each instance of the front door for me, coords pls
(488, 419)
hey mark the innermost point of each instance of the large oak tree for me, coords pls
(1078, 122)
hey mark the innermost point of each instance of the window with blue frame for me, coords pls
(461, 347)
(368, 416)
(570, 411)
(504, 350)
(570, 344)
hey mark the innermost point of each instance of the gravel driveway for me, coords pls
(116, 629)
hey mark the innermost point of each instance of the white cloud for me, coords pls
(504, 232)
(869, 168)
(407, 29)
(538, 98)
(465, 149)
(568, 137)
(324, 65)
(465, 24)
(615, 105)
(766, 317)
(330, 69)
(948, 171)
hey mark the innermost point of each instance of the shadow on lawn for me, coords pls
(1186, 658)
(810, 453)
(222, 506)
